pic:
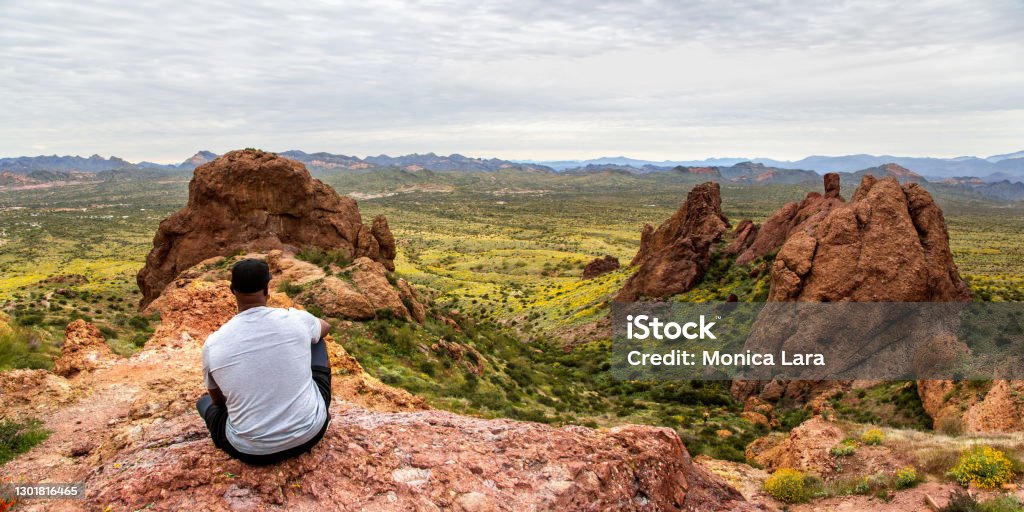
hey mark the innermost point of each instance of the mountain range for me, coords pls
(995, 167)
(997, 176)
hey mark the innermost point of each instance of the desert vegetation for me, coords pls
(502, 254)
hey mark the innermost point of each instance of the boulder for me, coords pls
(84, 349)
(338, 298)
(372, 280)
(807, 447)
(256, 201)
(412, 301)
(673, 258)
(600, 266)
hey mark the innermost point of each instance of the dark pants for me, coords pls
(216, 416)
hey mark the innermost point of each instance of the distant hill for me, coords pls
(27, 164)
(1003, 190)
(48, 168)
(1007, 156)
(1011, 165)
(902, 174)
(455, 162)
(993, 170)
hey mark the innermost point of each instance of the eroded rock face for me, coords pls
(84, 349)
(743, 236)
(600, 266)
(962, 408)
(889, 244)
(428, 461)
(806, 447)
(791, 218)
(674, 257)
(256, 201)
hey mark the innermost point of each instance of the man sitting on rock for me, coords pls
(267, 373)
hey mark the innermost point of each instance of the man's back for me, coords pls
(260, 360)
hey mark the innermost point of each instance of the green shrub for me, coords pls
(983, 466)
(322, 258)
(962, 501)
(21, 348)
(906, 478)
(17, 437)
(107, 332)
(289, 288)
(1004, 503)
(844, 449)
(872, 436)
(30, 319)
(787, 485)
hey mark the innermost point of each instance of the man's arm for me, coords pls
(325, 328)
(217, 396)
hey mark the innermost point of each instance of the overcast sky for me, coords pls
(158, 80)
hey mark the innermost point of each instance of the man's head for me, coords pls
(249, 280)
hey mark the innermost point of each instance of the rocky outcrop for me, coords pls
(412, 301)
(371, 279)
(743, 236)
(84, 349)
(256, 201)
(967, 408)
(600, 266)
(339, 298)
(359, 291)
(791, 218)
(466, 355)
(674, 257)
(426, 461)
(889, 244)
(806, 447)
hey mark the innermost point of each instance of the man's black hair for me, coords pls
(250, 276)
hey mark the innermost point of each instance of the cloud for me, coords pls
(541, 79)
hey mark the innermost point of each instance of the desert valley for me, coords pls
(469, 301)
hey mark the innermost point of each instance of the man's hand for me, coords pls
(217, 396)
(325, 328)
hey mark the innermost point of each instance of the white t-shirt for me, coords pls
(260, 360)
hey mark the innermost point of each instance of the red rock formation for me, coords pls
(784, 222)
(250, 201)
(958, 408)
(84, 349)
(673, 258)
(744, 235)
(806, 448)
(889, 244)
(600, 266)
(425, 461)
